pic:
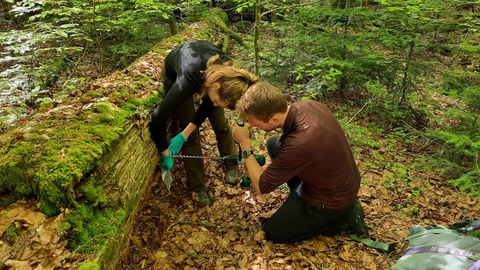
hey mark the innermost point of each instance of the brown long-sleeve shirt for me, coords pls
(314, 148)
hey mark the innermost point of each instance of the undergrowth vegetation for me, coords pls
(410, 67)
(403, 71)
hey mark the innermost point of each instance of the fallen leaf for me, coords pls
(260, 235)
(18, 265)
(243, 263)
(367, 258)
(238, 248)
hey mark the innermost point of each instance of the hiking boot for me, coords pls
(356, 220)
(203, 198)
(231, 174)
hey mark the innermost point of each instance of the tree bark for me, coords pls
(405, 74)
(258, 19)
(172, 24)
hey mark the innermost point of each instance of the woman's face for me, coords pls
(213, 95)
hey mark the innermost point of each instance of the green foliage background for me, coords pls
(394, 60)
(409, 67)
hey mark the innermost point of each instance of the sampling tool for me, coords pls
(245, 181)
(228, 160)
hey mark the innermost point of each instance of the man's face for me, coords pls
(267, 126)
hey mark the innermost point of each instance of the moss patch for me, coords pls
(89, 228)
(52, 155)
(89, 266)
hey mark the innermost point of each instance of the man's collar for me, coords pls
(289, 124)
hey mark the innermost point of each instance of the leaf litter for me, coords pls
(173, 232)
(30, 240)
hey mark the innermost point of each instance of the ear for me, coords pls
(275, 119)
(215, 86)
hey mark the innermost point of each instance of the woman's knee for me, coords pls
(219, 122)
(222, 128)
(193, 139)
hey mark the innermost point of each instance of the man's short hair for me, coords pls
(262, 100)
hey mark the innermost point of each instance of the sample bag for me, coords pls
(441, 248)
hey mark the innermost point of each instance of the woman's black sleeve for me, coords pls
(203, 111)
(176, 96)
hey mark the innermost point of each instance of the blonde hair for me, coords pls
(262, 100)
(233, 81)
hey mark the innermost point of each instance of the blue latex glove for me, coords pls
(176, 143)
(166, 163)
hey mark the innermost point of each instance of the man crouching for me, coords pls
(312, 156)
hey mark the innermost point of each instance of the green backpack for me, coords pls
(437, 248)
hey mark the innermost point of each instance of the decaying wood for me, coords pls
(126, 166)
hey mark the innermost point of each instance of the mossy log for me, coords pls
(220, 24)
(93, 153)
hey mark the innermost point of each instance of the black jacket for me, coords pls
(185, 66)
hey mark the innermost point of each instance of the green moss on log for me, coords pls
(89, 228)
(58, 156)
(50, 158)
(215, 13)
(90, 266)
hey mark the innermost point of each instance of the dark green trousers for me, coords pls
(194, 168)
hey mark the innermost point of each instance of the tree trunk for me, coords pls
(405, 75)
(258, 19)
(172, 24)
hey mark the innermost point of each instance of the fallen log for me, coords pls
(93, 154)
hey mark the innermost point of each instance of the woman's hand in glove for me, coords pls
(176, 143)
(166, 163)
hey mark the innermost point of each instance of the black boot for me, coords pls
(231, 174)
(356, 220)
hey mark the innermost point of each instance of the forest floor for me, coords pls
(173, 232)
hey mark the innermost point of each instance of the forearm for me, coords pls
(163, 112)
(158, 131)
(191, 127)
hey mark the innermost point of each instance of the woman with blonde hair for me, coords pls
(198, 69)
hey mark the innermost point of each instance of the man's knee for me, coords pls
(279, 233)
(273, 146)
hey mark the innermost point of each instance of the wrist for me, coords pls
(185, 137)
(166, 153)
(246, 145)
(247, 153)
(191, 127)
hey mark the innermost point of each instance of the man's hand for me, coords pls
(166, 163)
(241, 135)
(176, 143)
